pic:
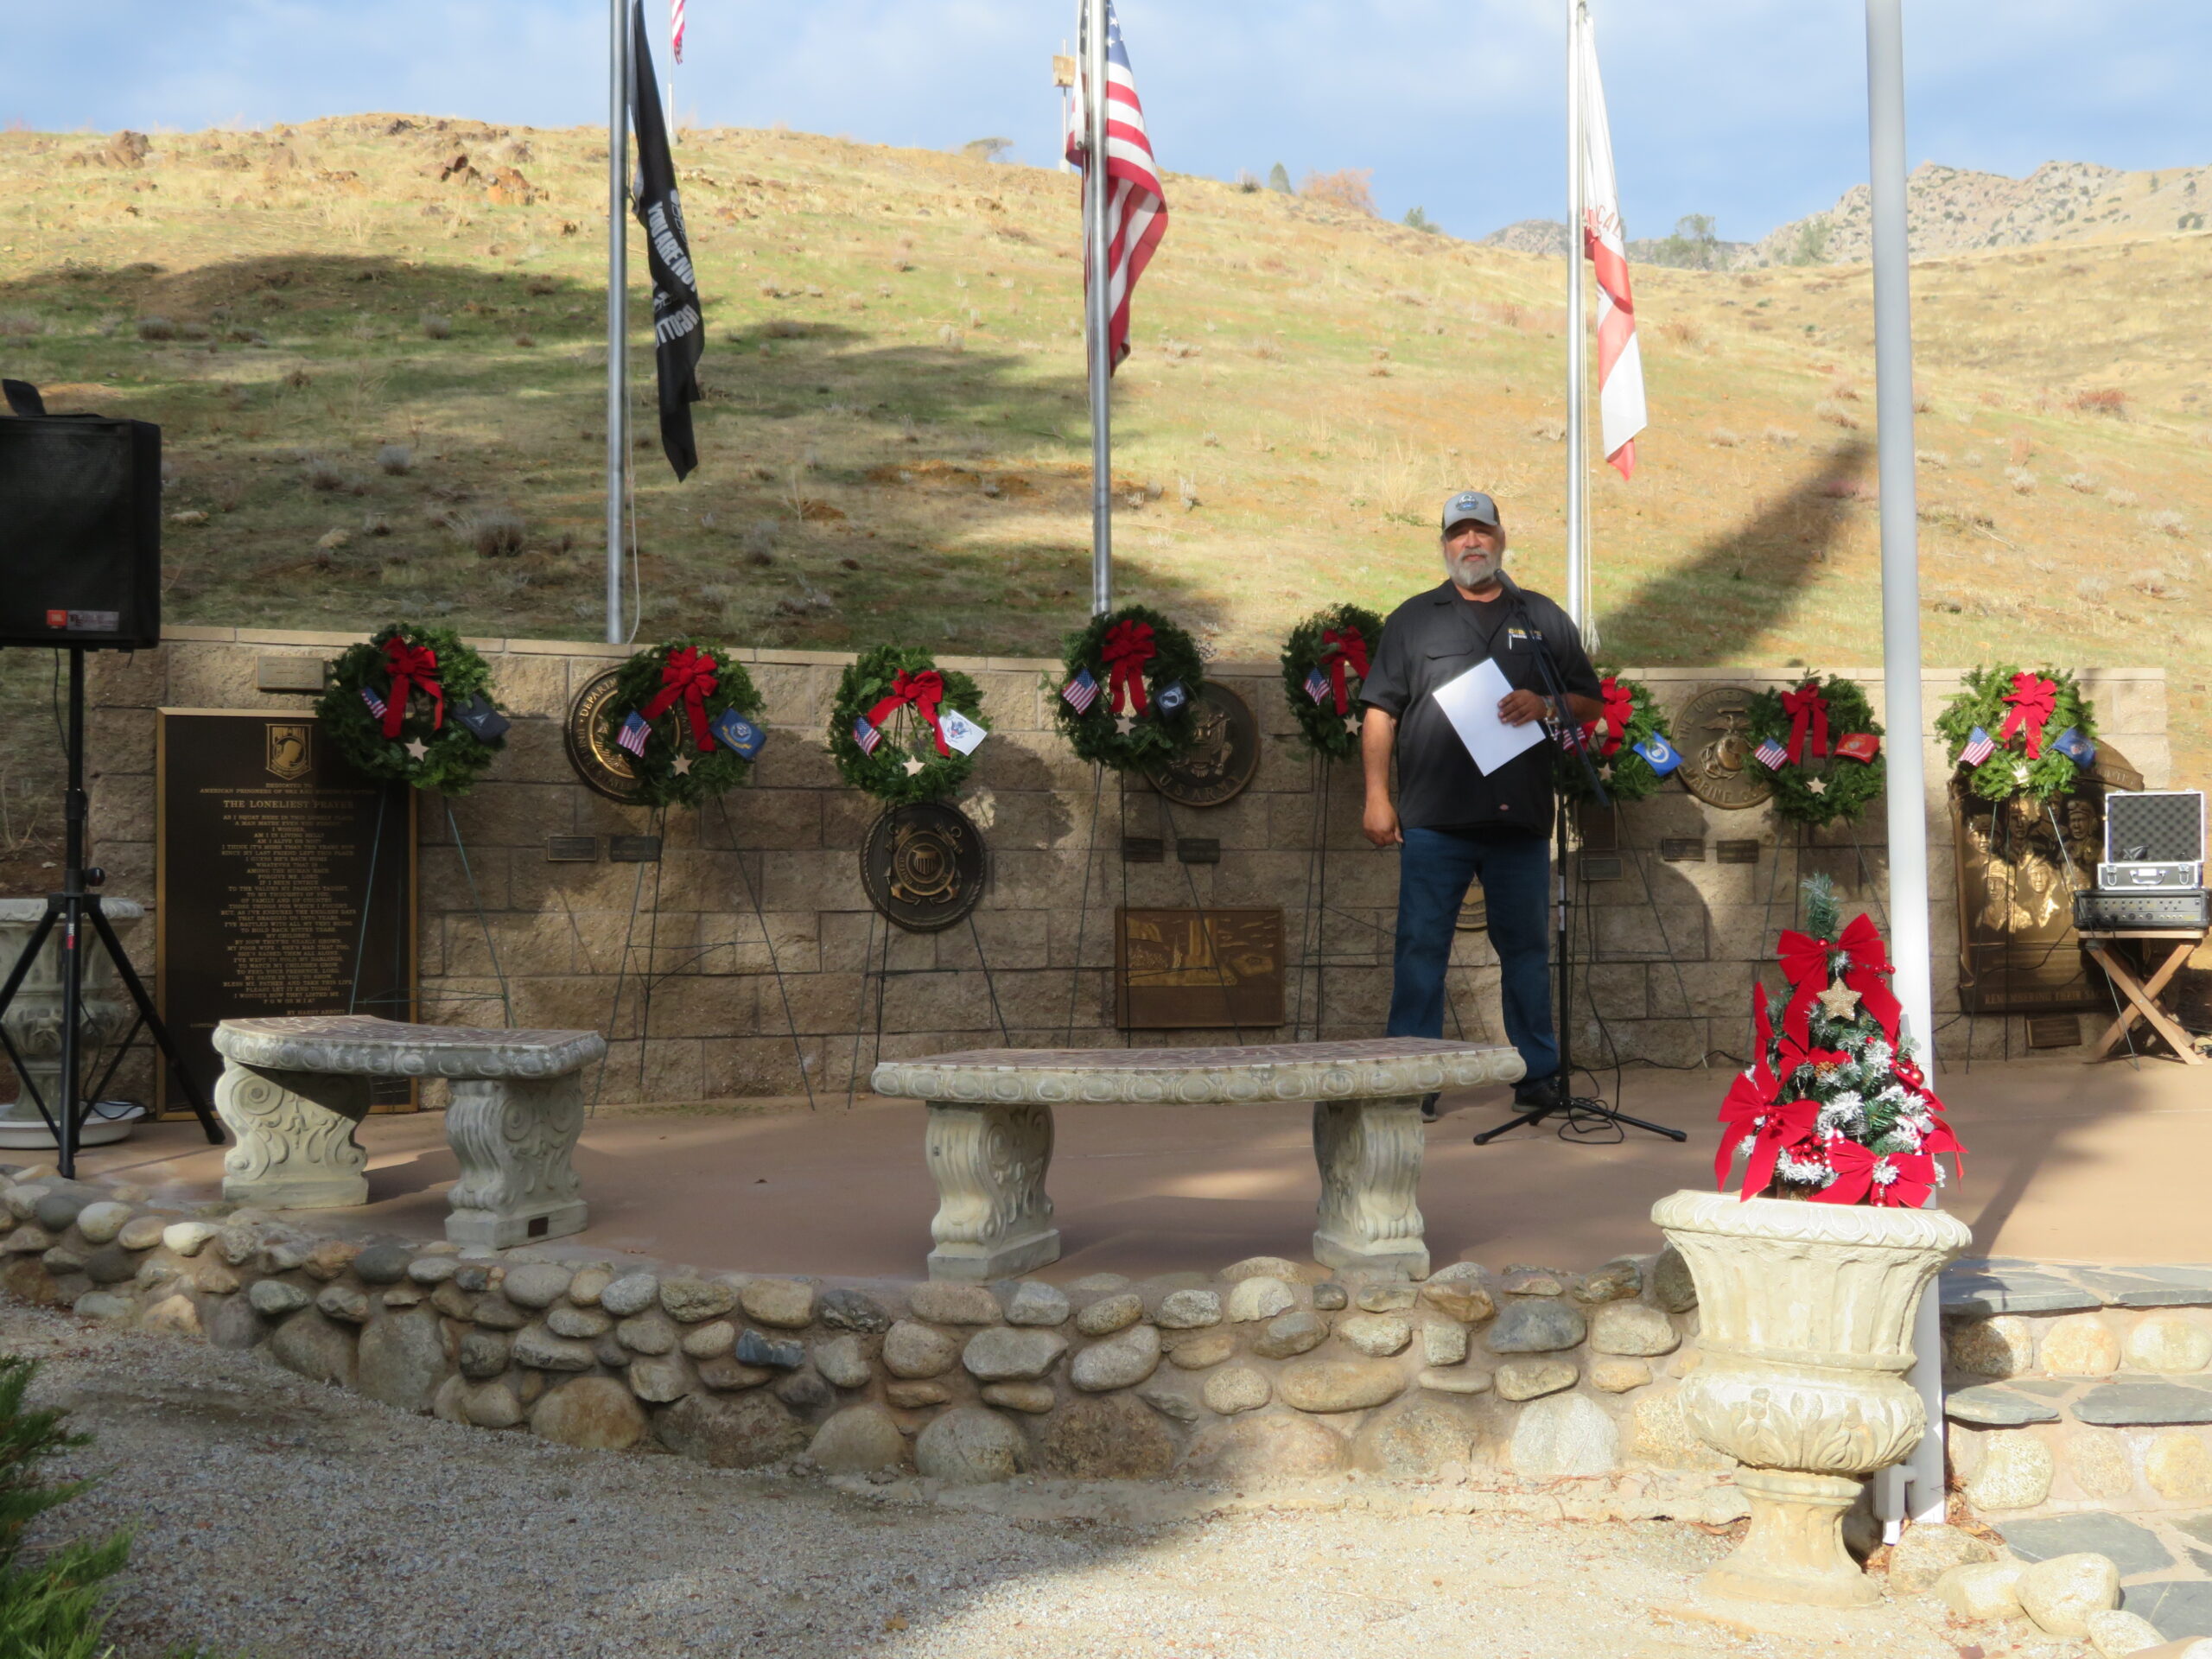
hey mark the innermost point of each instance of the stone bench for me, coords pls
(294, 1090)
(990, 1134)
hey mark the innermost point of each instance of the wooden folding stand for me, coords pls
(2143, 994)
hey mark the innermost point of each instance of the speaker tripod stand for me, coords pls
(1579, 1110)
(78, 912)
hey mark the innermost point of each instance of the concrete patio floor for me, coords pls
(2068, 1162)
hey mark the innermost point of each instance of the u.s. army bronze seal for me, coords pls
(1712, 734)
(1222, 757)
(597, 762)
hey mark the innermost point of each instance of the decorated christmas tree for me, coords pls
(1833, 1108)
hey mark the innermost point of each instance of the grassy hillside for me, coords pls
(380, 376)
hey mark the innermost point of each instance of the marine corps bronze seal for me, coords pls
(1712, 734)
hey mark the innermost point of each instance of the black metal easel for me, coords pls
(1566, 1103)
(74, 906)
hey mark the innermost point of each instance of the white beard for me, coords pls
(1473, 569)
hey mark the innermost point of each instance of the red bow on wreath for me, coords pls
(412, 668)
(1338, 649)
(1620, 709)
(1129, 648)
(689, 674)
(1806, 707)
(1805, 963)
(1899, 1180)
(922, 693)
(2033, 698)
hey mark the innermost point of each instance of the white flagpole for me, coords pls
(1907, 789)
(618, 279)
(1098, 307)
(1577, 355)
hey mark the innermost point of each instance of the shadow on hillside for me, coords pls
(913, 442)
(1714, 605)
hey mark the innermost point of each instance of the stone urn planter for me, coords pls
(34, 1019)
(1806, 1313)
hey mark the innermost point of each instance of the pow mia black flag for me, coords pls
(678, 335)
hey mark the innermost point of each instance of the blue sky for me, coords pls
(1750, 110)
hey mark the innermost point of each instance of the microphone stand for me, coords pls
(1576, 1108)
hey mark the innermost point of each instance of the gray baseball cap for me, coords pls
(1470, 504)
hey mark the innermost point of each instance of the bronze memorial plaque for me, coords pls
(284, 883)
(1180, 969)
(2017, 949)
(597, 762)
(925, 866)
(1222, 758)
(1717, 767)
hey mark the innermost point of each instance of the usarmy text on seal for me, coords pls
(1718, 766)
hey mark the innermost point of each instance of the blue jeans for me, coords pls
(1434, 868)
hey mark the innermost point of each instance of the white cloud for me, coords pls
(1752, 110)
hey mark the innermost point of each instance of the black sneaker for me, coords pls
(1531, 1092)
(1429, 1109)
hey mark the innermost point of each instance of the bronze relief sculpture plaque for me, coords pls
(284, 883)
(2017, 949)
(1222, 759)
(601, 766)
(1188, 969)
(1712, 732)
(925, 866)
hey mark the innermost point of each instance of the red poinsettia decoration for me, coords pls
(1833, 1108)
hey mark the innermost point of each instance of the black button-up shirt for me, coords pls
(1436, 637)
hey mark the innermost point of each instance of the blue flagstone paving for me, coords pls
(2165, 1559)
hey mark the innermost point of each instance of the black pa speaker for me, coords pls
(80, 532)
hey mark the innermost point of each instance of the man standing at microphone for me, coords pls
(1453, 824)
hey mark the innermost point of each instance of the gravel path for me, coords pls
(286, 1521)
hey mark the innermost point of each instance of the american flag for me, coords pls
(633, 735)
(375, 703)
(865, 735)
(1317, 684)
(1620, 361)
(1980, 746)
(1081, 691)
(1136, 206)
(1771, 755)
(675, 29)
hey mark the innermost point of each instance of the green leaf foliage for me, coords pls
(1626, 775)
(1319, 723)
(1847, 786)
(884, 774)
(636, 682)
(50, 1610)
(1152, 738)
(1980, 701)
(453, 760)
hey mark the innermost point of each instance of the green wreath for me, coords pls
(432, 747)
(1327, 729)
(1626, 775)
(904, 767)
(673, 769)
(1097, 732)
(2008, 771)
(1813, 790)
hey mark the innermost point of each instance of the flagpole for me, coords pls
(1901, 664)
(1576, 363)
(1097, 309)
(618, 279)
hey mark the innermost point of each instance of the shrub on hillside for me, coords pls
(1350, 188)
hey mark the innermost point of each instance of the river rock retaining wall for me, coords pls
(1264, 1374)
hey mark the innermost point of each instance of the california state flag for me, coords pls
(1620, 364)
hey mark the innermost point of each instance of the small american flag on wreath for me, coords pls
(865, 736)
(1980, 746)
(633, 734)
(1081, 691)
(1771, 755)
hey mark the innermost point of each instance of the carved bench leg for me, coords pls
(294, 1131)
(513, 1137)
(992, 1218)
(1369, 1152)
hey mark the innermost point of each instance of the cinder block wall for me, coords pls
(1675, 944)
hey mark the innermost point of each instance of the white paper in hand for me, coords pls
(960, 732)
(1470, 703)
